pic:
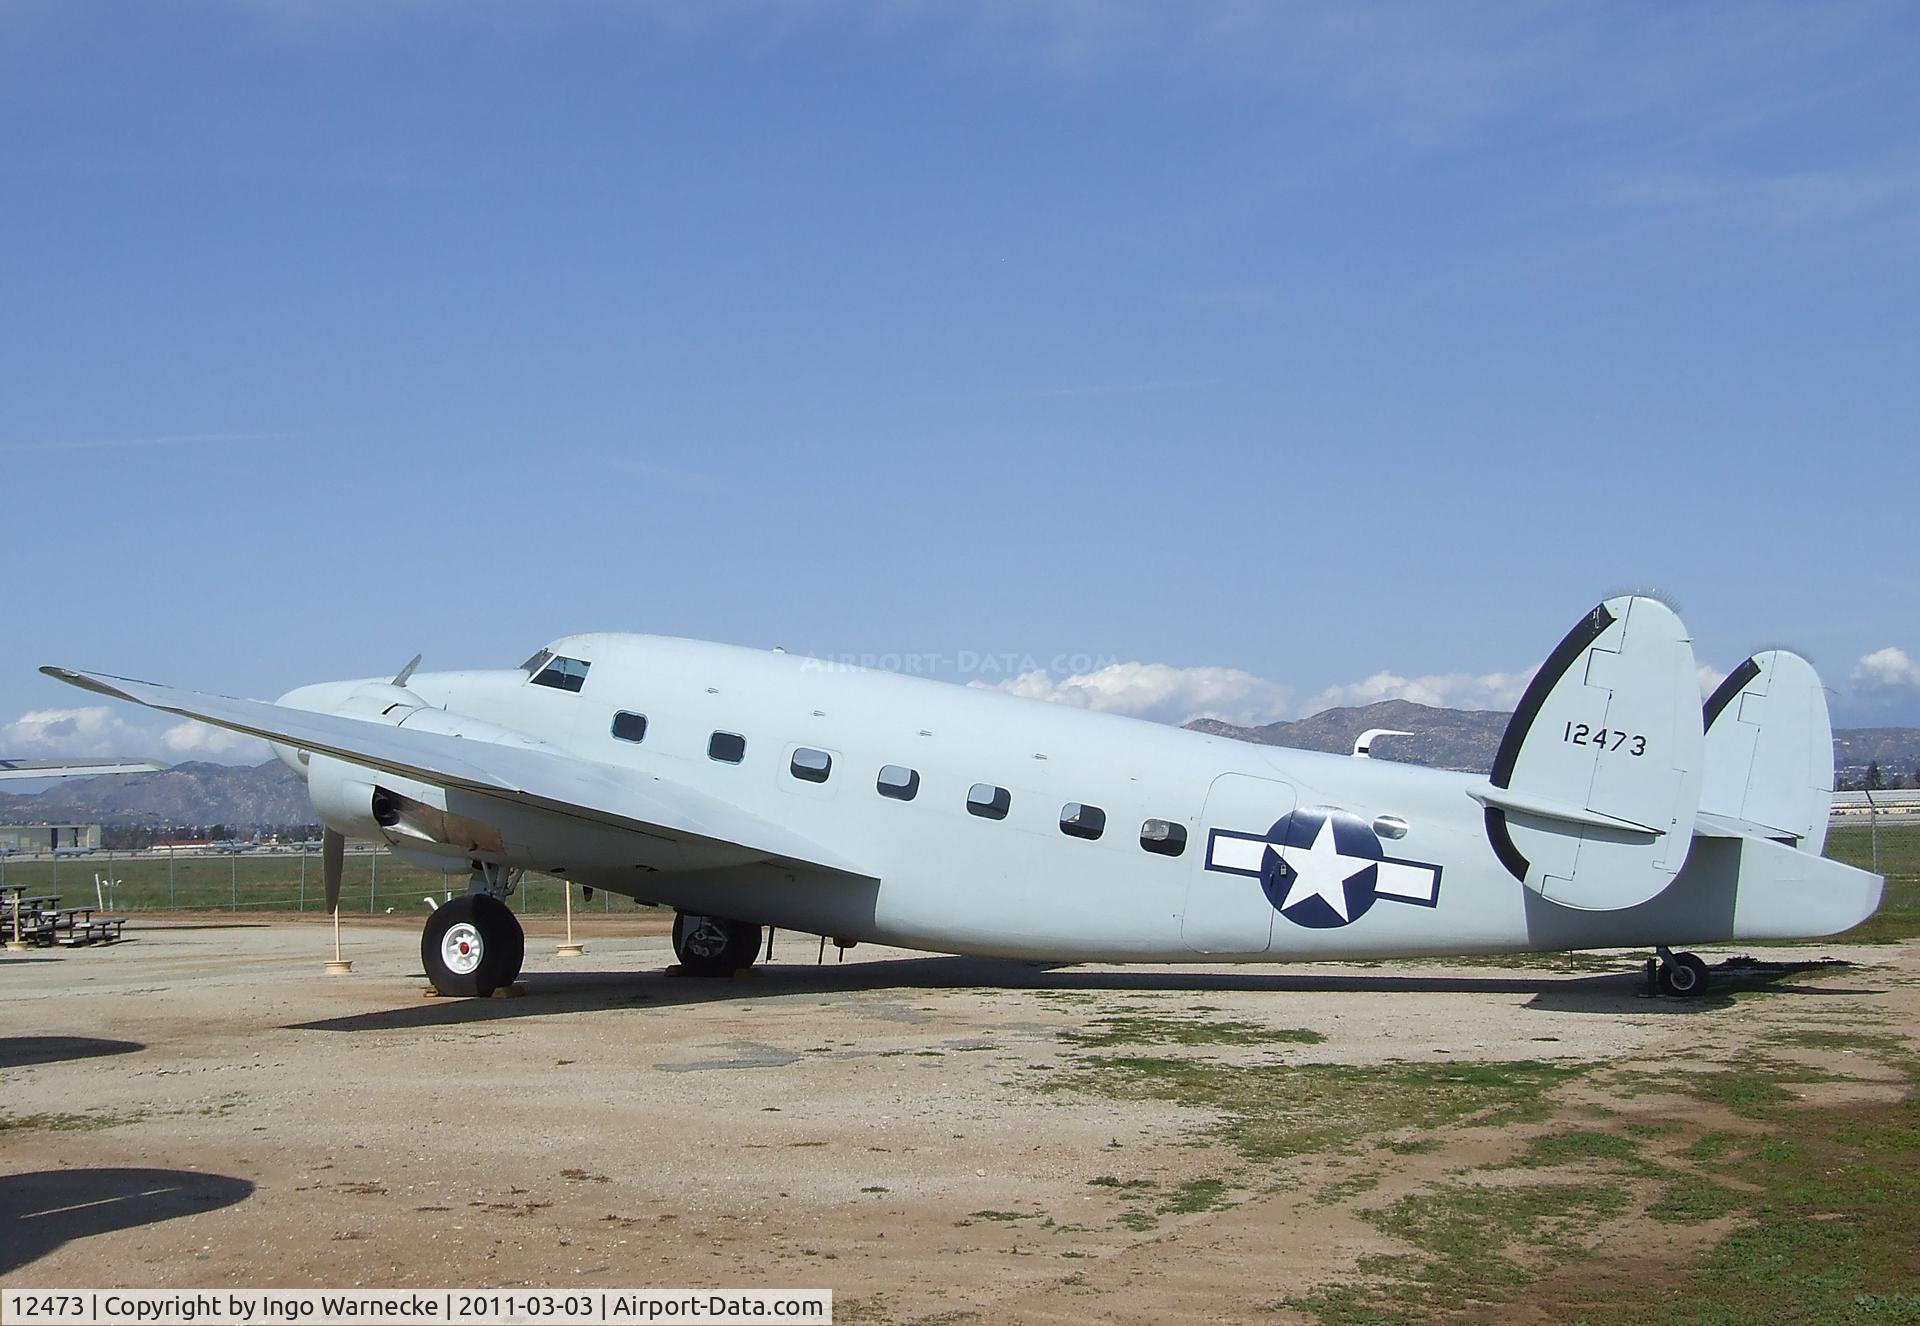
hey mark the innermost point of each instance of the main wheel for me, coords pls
(1685, 977)
(513, 939)
(468, 944)
(714, 945)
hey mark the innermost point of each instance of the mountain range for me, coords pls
(268, 794)
(191, 794)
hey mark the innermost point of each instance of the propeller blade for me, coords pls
(406, 673)
(333, 864)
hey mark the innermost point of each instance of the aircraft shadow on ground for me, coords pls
(45, 1209)
(553, 993)
(23, 1051)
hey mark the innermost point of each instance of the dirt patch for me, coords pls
(925, 1135)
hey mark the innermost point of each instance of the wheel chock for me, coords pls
(514, 991)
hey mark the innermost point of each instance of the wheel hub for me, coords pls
(462, 949)
(706, 938)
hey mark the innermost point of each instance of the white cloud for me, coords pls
(198, 741)
(1785, 202)
(1889, 667)
(155, 440)
(1161, 692)
(1245, 298)
(1443, 690)
(98, 731)
(1167, 694)
(91, 731)
(1710, 679)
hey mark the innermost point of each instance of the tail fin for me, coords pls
(1593, 793)
(1770, 750)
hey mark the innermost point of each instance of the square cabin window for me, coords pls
(898, 781)
(727, 747)
(1163, 837)
(630, 727)
(1078, 821)
(989, 802)
(810, 765)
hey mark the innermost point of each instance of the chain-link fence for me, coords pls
(259, 881)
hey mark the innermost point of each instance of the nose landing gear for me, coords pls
(714, 945)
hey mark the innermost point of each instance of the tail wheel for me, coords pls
(1684, 976)
(471, 946)
(714, 945)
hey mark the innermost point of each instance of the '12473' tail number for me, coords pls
(1583, 734)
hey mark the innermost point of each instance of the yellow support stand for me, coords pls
(339, 966)
(16, 944)
(569, 949)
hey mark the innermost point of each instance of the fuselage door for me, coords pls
(1227, 910)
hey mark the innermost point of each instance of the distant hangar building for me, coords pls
(33, 839)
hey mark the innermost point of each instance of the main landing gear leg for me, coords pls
(473, 945)
(1682, 975)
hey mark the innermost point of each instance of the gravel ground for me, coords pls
(200, 1106)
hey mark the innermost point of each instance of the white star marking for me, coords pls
(1321, 871)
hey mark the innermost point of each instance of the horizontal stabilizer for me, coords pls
(1593, 792)
(1543, 808)
(1769, 749)
(1709, 825)
(16, 770)
(1789, 894)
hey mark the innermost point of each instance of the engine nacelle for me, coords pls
(404, 813)
(349, 799)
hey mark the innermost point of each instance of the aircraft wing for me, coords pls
(23, 769)
(544, 779)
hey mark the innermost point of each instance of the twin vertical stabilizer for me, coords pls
(1593, 793)
(1770, 750)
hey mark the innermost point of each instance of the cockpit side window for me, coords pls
(538, 661)
(563, 674)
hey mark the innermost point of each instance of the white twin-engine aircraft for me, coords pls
(747, 789)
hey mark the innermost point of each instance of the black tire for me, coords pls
(512, 947)
(714, 945)
(467, 944)
(453, 949)
(1685, 977)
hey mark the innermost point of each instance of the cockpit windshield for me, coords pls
(537, 662)
(563, 674)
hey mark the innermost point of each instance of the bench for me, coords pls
(68, 927)
(69, 923)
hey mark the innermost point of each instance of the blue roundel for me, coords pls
(1335, 852)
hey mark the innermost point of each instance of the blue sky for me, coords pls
(1204, 356)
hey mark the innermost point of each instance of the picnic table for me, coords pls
(41, 923)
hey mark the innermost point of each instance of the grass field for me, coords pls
(266, 882)
(1899, 914)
